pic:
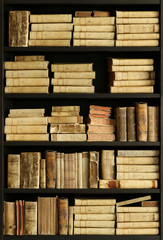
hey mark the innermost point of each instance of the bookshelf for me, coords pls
(98, 56)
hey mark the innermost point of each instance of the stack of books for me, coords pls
(27, 74)
(131, 75)
(93, 31)
(137, 220)
(100, 126)
(94, 216)
(26, 125)
(66, 124)
(137, 28)
(51, 30)
(73, 78)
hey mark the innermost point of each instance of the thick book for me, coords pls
(93, 21)
(26, 65)
(27, 73)
(50, 18)
(138, 168)
(29, 58)
(13, 177)
(55, 43)
(130, 62)
(52, 27)
(136, 20)
(83, 13)
(93, 43)
(94, 231)
(131, 131)
(137, 225)
(150, 204)
(94, 202)
(72, 67)
(132, 76)
(63, 216)
(137, 209)
(71, 171)
(9, 216)
(121, 123)
(42, 173)
(94, 224)
(137, 160)
(27, 82)
(51, 165)
(25, 129)
(27, 137)
(26, 121)
(145, 175)
(75, 75)
(85, 170)
(93, 169)
(142, 121)
(137, 217)
(108, 164)
(30, 220)
(138, 153)
(135, 200)
(93, 35)
(65, 108)
(125, 68)
(68, 137)
(140, 89)
(67, 128)
(71, 82)
(50, 35)
(73, 89)
(143, 231)
(92, 28)
(94, 209)
(95, 217)
(71, 120)
(138, 36)
(137, 43)
(137, 14)
(138, 184)
(153, 123)
(100, 128)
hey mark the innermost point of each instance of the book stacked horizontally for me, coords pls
(66, 124)
(93, 31)
(137, 220)
(100, 126)
(73, 78)
(26, 125)
(137, 28)
(94, 216)
(131, 75)
(27, 74)
(51, 30)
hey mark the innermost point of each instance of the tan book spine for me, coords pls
(138, 168)
(131, 132)
(150, 204)
(100, 129)
(25, 129)
(106, 28)
(93, 169)
(97, 231)
(94, 202)
(153, 124)
(138, 36)
(93, 35)
(138, 184)
(42, 89)
(107, 164)
(42, 173)
(66, 171)
(67, 128)
(50, 18)
(72, 82)
(121, 120)
(109, 183)
(62, 170)
(26, 121)
(138, 28)
(137, 160)
(27, 112)
(66, 109)
(9, 218)
(54, 43)
(68, 137)
(131, 68)
(74, 119)
(137, 14)
(76, 170)
(63, 216)
(137, 225)
(135, 200)
(80, 170)
(50, 35)
(94, 224)
(100, 137)
(30, 218)
(83, 14)
(29, 58)
(27, 137)
(73, 89)
(95, 217)
(58, 171)
(132, 75)
(130, 62)
(137, 209)
(75, 67)
(63, 114)
(71, 170)
(138, 176)
(137, 43)
(26, 65)
(94, 21)
(94, 209)
(101, 14)
(13, 178)
(138, 217)
(85, 170)
(26, 73)
(137, 20)
(143, 231)
(51, 27)
(26, 82)
(75, 75)
(134, 83)
(146, 89)
(88, 42)
(142, 121)
(51, 162)
(70, 221)
(138, 153)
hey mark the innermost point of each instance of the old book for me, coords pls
(42, 173)
(100, 121)
(131, 132)
(94, 209)
(83, 13)
(101, 14)
(26, 73)
(142, 121)
(97, 231)
(121, 122)
(22, 207)
(138, 168)
(98, 116)
(18, 28)
(130, 68)
(13, 178)
(94, 224)
(85, 170)
(95, 217)
(93, 169)
(138, 28)
(29, 58)
(30, 218)
(27, 137)
(68, 137)
(104, 28)
(107, 164)
(137, 217)
(137, 225)
(64, 114)
(58, 171)
(88, 42)
(26, 65)
(94, 202)
(100, 129)
(150, 204)
(76, 170)
(66, 170)
(51, 27)
(25, 129)
(94, 21)
(67, 128)
(137, 43)
(146, 89)
(23, 82)
(143, 231)
(80, 164)
(30, 169)
(153, 123)
(27, 112)
(65, 108)
(137, 209)
(62, 170)
(73, 67)
(137, 14)
(138, 153)
(75, 75)
(133, 83)
(50, 35)
(73, 89)
(51, 174)
(70, 221)
(93, 35)
(18, 217)
(100, 112)
(63, 216)
(138, 36)
(135, 200)
(132, 75)
(42, 89)
(55, 42)
(50, 18)
(71, 171)
(137, 160)
(130, 62)
(74, 119)
(138, 176)
(9, 217)
(137, 20)
(72, 82)
(100, 108)
(103, 183)
(138, 183)
(26, 121)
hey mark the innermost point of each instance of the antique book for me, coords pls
(67, 128)
(138, 176)
(63, 216)
(100, 112)
(94, 21)
(101, 121)
(30, 220)
(100, 129)
(95, 217)
(13, 178)
(70, 220)
(103, 183)
(26, 82)
(138, 28)
(153, 123)
(93, 35)
(138, 153)
(73, 89)
(98, 116)
(130, 62)
(62, 170)
(26, 65)
(137, 20)
(121, 123)
(64, 114)
(26, 121)
(71, 82)
(27, 73)
(27, 112)
(137, 225)
(146, 89)
(101, 108)
(58, 170)
(29, 58)
(94, 209)
(107, 164)
(137, 217)
(135, 200)
(137, 43)
(22, 206)
(96, 231)
(75, 75)
(51, 174)
(101, 13)
(72, 67)
(9, 216)
(85, 170)
(113, 68)
(90, 42)
(131, 131)
(71, 120)
(138, 168)
(18, 221)
(80, 176)
(150, 204)
(23, 89)
(93, 169)
(132, 75)
(138, 183)
(71, 171)
(50, 18)
(137, 14)
(137, 209)
(92, 28)
(142, 121)
(133, 83)
(51, 27)
(66, 170)
(65, 108)
(30, 169)
(68, 137)
(50, 35)
(94, 224)
(27, 137)
(25, 129)
(137, 160)
(53, 42)
(143, 231)
(42, 173)
(83, 13)
(18, 28)
(94, 202)
(138, 36)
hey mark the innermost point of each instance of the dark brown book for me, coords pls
(142, 121)
(94, 169)
(9, 218)
(121, 120)
(30, 218)
(51, 164)
(42, 173)
(18, 28)
(83, 14)
(13, 171)
(131, 132)
(150, 204)
(63, 216)
(153, 123)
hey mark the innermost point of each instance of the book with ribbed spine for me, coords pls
(142, 121)
(63, 216)
(13, 178)
(50, 18)
(51, 163)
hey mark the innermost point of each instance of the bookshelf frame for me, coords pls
(6, 101)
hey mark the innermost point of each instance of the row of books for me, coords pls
(105, 169)
(53, 215)
(140, 28)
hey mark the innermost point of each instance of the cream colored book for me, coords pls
(108, 164)
(62, 171)
(144, 89)
(25, 129)
(143, 231)
(27, 112)
(137, 160)
(137, 217)
(75, 75)
(26, 82)
(27, 137)
(104, 28)
(130, 62)
(52, 27)
(50, 35)
(132, 75)
(138, 184)
(55, 43)
(29, 58)
(27, 73)
(134, 83)
(42, 173)
(136, 20)
(71, 82)
(93, 35)
(136, 225)
(26, 65)
(135, 200)
(137, 43)
(137, 209)
(138, 153)
(138, 176)
(42, 89)
(26, 121)
(80, 170)
(58, 185)
(72, 67)
(138, 36)
(94, 202)
(64, 114)
(65, 108)
(74, 119)
(94, 224)
(137, 14)
(94, 209)
(73, 89)
(131, 68)
(67, 128)
(70, 221)
(137, 168)
(138, 28)
(85, 170)
(87, 43)
(97, 231)
(13, 171)
(94, 21)
(95, 217)
(108, 184)
(50, 18)
(68, 137)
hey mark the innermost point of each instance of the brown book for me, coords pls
(13, 171)
(101, 137)
(73, 119)
(142, 121)
(85, 169)
(42, 173)
(29, 58)
(67, 128)
(69, 137)
(150, 204)
(30, 218)
(66, 170)
(108, 164)
(93, 169)
(30, 169)
(63, 216)
(153, 123)
(109, 183)
(22, 206)
(100, 121)
(121, 120)
(18, 28)
(9, 218)
(98, 116)
(18, 224)
(83, 13)
(100, 108)
(51, 163)
(131, 132)
(100, 112)
(101, 14)
(100, 129)
(135, 200)
(71, 170)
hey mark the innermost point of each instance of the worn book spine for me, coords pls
(83, 14)
(137, 217)
(101, 137)
(101, 121)
(50, 18)
(64, 114)
(58, 171)
(92, 35)
(94, 21)
(13, 171)
(137, 20)
(51, 162)
(55, 42)
(26, 73)
(80, 170)
(137, 14)
(88, 42)
(93, 217)
(153, 123)
(76, 67)
(125, 68)
(42, 173)
(145, 175)
(30, 218)
(27, 137)
(142, 121)
(29, 58)
(150, 204)
(22, 205)
(26, 82)
(133, 83)
(51, 27)
(94, 209)
(138, 28)
(107, 164)
(94, 202)
(25, 112)
(65, 108)
(138, 168)
(143, 231)
(9, 218)
(109, 183)
(50, 35)
(93, 169)
(140, 89)
(67, 128)
(85, 170)
(17, 217)
(62, 170)
(140, 153)
(130, 62)
(132, 76)
(26, 121)
(70, 221)
(68, 137)
(71, 82)
(74, 119)
(26, 65)
(137, 209)
(43, 89)
(135, 200)
(96, 231)
(137, 160)
(101, 14)
(25, 129)
(137, 43)
(94, 224)
(100, 129)
(91, 28)
(71, 170)
(121, 120)
(137, 225)
(80, 75)
(131, 132)
(63, 216)
(66, 170)
(138, 36)
(138, 183)
(73, 89)
(101, 108)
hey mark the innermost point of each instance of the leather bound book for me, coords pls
(142, 121)
(51, 162)
(63, 216)
(13, 171)
(9, 218)
(30, 218)
(131, 132)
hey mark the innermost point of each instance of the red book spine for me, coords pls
(18, 217)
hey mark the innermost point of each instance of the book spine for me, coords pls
(121, 120)
(85, 170)
(42, 89)
(140, 153)
(138, 176)
(81, 67)
(137, 14)
(30, 218)
(93, 169)
(96, 231)
(138, 28)
(150, 204)
(13, 171)
(50, 169)
(87, 42)
(137, 209)
(137, 160)
(26, 65)
(94, 202)
(62, 170)
(143, 231)
(9, 218)
(94, 209)
(153, 124)
(80, 170)
(138, 184)
(109, 183)
(58, 171)
(136, 225)
(50, 18)
(63, 216)
(29, 58)
(142, 121)
(94, 21)
(70, 221)
(55, 43)
(107, 164)
(139, 217)
(93, 217)
(131, 132)
(26, 82)
(42, 173)
(137, 43)
(71, 170)
(50, 35)
(94, 224)
(73, 89)
(66, 171)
